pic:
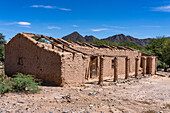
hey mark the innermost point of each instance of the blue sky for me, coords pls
(101, 18)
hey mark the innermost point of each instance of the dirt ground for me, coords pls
(145, 95)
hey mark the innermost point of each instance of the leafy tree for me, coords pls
(166, 55)
(2, 39)
(161, 47)
(2, 53)
(2, 49)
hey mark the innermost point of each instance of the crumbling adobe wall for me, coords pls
(25, 55)
(74, 68)
(108, 71)
(106, 51)
(121, 67)
(151, 65)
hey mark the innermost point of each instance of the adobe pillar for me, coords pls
(136, 67)
(144, 65)
(151, 65)
(127, 68)
(115, 69)
(155, 64)
(101, 72)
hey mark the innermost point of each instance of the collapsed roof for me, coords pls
(57, 42)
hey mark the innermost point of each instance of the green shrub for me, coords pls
(19, 83)
(2, 53)
(3, 77)
(26, 83)
(2, 49)
(6, 86)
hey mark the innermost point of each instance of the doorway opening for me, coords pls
(93, 67)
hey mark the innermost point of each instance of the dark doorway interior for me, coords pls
(93, 67)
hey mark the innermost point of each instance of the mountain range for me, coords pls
(119, 38)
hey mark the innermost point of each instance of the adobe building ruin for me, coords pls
(62, 63)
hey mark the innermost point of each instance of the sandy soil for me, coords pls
(134, 96)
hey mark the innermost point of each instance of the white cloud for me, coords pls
(64, 9)
(101, 29)
(20, 24)
(24, 23)
(43, 6)
(53, 27)
(162, 8)
(74, 25)
(50, 7)
(151, 26)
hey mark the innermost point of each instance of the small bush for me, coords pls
(3, 77)
(26, 83)
(6, 86)
(19, 83)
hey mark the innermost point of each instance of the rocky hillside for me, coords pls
(120, 38)
(75, 36)
(90, 38)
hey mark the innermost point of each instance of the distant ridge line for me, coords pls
(118, 38)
